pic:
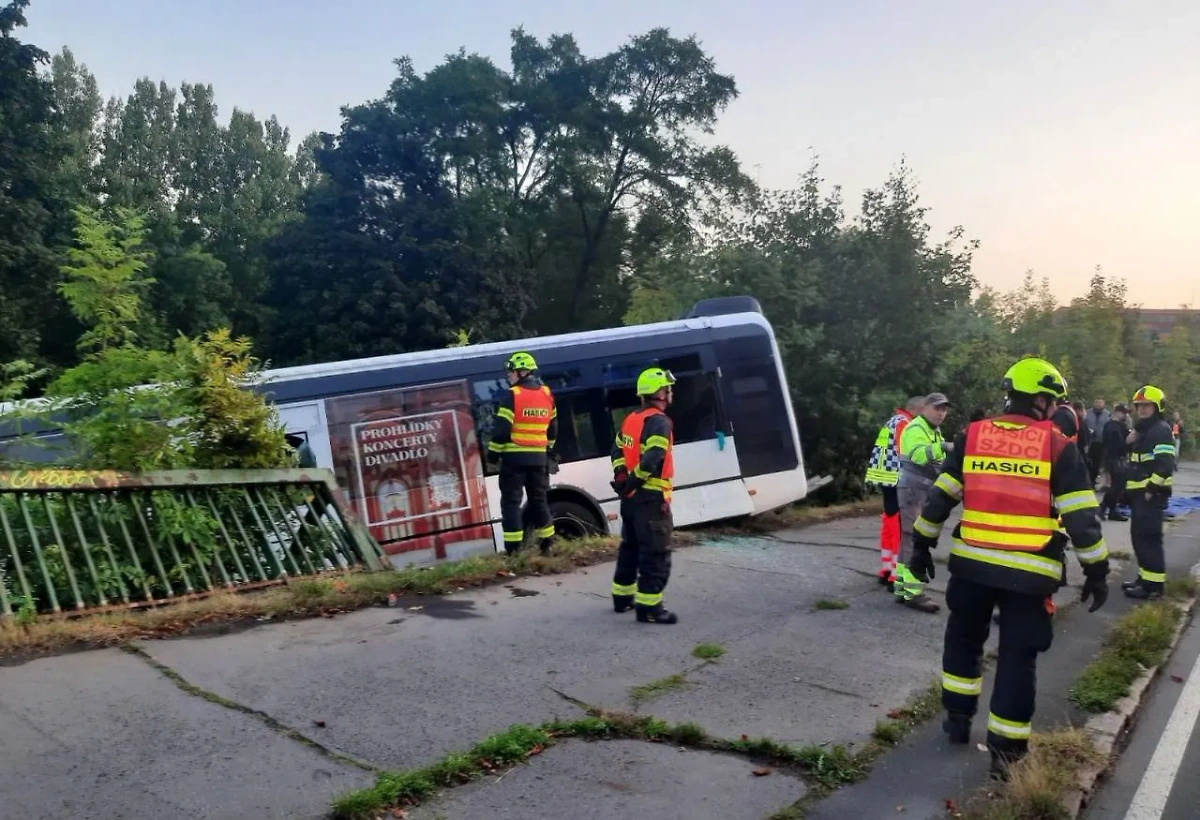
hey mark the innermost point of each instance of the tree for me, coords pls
(105, 285)
(79, 104)
(29, 159)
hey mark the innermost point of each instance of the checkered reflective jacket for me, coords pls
(884, 468)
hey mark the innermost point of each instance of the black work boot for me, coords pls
(957, 727)
(1143, 592)
(655, 615)
(622, 603)
(545, 545)
(1134, 584)
(1002, 762)
(1115, 515)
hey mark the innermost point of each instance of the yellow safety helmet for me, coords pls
(654, 379)
(1150, 395)
(520, 361)
(1035, 377)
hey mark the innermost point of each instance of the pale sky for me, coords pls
(1062, 134)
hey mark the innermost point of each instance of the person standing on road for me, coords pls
(1116, 462)
(1064, 419)
(1095, 419)
(922, 450)
(643, 467)
(883, 472)
(1177, 432)
(1016, 476)
(1151, 471)
(1084, 439)
(523, 435)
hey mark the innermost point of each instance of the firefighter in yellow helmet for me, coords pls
(1151, 474)
(523, 435)
(1016, 475)
(643, 466)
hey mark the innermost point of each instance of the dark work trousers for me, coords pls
(1095, 459)
(532, 481)
(891, 501)
(644, 558)
(1026, 629)
(1146, 532)
(1116, 486)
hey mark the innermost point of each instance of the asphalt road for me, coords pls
(1156, 775)
(107, 735)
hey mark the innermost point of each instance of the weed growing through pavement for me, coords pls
(708, 651)
(824, 768)
(657, 688)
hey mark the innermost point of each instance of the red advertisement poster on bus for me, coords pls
(410, 461)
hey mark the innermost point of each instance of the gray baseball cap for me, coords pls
(936, 400)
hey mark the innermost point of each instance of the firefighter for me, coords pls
(523, 435)
(643, 466)
(883, 472)
(1151, 467)
(922, 450)
(1016, 476)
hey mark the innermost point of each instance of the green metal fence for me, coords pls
(77, 540)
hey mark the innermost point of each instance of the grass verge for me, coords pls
(1139, 640)
(1038, 785)
(305, 597)
(708, 651)
(827, 768)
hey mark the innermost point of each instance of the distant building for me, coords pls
(1159, 320)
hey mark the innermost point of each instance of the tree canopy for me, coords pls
(473, 201)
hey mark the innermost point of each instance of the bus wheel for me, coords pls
(573, 520)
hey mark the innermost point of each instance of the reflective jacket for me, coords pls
(1152, 457)
(884, 467)
(1017, 477)
(645, 448)
(922, 449)
(526, 424)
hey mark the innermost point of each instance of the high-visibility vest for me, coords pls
(884, 468)
(533, 408)
(1007, 498)
(632, 447)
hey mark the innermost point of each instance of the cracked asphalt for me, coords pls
(107, 735)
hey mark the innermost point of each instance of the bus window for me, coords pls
(694, 408)
(485, 399)
(620, 402)
(577, 435)
(760, 425)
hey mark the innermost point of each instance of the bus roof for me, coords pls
(491, 349)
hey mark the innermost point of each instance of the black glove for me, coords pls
(921, 565)
(620, 479)
(551, 465)
(1095, 585)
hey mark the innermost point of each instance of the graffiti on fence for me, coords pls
(50, 479)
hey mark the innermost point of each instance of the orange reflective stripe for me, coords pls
(1007, 501)
(532, 412)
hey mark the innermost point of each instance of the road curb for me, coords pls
(1106, 729)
